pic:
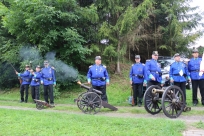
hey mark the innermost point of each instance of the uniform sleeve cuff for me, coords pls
(107, 80)
(130, 79)
(89, 80)
(171, 78)
(19, 74)
(54, 83)
(189, 77)
(145, 81)
(151, 76)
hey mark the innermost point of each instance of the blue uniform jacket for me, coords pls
(194, 68)
(153, 69)
(36, 78)
(96, 73)
(137, 70)
(48, 76)
(175, 68)
(25, 77)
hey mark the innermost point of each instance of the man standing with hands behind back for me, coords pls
(98, 77)
(48, 80)
(137, 74)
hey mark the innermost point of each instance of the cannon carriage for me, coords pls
(90, 102)
(169, 99)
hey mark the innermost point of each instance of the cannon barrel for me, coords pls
(154, 90)
(87, 87)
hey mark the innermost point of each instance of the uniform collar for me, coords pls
(195, 58)
(154, 60)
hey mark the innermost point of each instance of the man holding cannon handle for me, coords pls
(98, 76)
(197, 81)
(178, 74)
(137, 75)
(153, 71)
(25, 83)
(48, 80)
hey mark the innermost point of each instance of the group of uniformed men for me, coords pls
(44, 76)
(179, 73)
(140, 74)
(150, 74)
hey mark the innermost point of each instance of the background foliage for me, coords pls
(74, 30)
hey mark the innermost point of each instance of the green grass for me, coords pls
(118, 94)
(199, 125)
(17, 122)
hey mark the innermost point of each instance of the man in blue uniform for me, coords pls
(48, 80)
(25, 76)
(197, 81)
(35, 83)
(98, 77)
(153, 71)
(178, 74)
(137, 74)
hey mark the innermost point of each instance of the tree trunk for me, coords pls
(129, 53)
(118, 71)
(155, 40)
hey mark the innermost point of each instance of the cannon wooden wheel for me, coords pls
(152, 101)
(79, 99)
(90, 103)
(173, 102)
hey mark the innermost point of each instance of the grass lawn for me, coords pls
(17, 122)
(199, 125)
(117, 94)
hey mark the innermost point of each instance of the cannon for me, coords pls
(90, 102)
(169, 99)
(42, 104)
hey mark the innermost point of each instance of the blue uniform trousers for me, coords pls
(137, 92)
(195, 85)
(182, 86)
(48, 92)
(23, 88)
(103, 90)
(35, 92)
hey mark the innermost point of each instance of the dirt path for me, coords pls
(187, 119)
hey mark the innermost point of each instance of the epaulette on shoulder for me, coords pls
(104, 66)
(90, 66)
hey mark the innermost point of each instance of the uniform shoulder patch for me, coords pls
(90, 66)
(104, 66)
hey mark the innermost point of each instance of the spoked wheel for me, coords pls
(79, 99)
(152, 101)
(173, 102)
(39, 105)
(90, 103)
